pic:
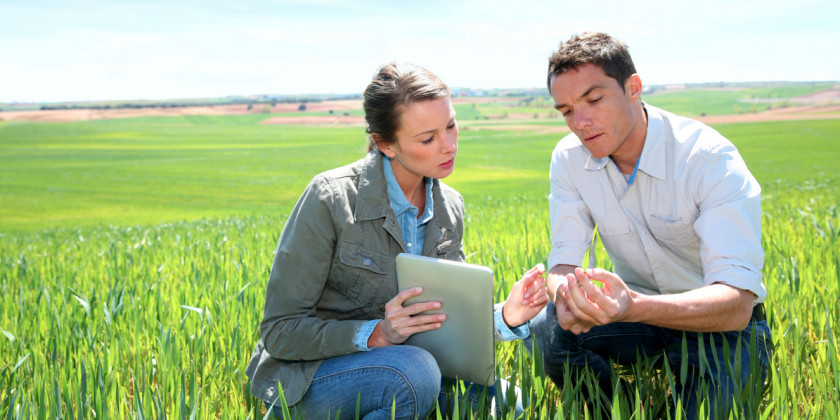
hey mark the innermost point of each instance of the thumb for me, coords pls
(604, 276)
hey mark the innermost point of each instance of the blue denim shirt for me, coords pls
(414, 232)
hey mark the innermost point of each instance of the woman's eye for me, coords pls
(428, 140)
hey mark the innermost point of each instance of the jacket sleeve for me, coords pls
(290, 329)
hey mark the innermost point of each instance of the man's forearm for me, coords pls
(717, 307)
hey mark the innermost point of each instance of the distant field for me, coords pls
(157, 169)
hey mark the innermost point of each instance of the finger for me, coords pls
(409, 325)
(420, 307)
(536, 288)
(535, 270)
(408, 332)
(593, 292)
(398, 300)
(604, 276)
(582, 307)
(541, 298)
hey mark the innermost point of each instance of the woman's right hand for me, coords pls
(402, 321)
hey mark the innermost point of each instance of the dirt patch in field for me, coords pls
(342, 105)
(69, 115)
(476, 100)
(317, 120)
(779, 114)
(832, 94)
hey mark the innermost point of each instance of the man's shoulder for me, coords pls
(687, 132)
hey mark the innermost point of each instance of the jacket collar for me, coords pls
(372, 200)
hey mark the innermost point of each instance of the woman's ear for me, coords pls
(383, 146)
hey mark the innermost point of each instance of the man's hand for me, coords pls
(402, 322)
(558, 290)
(595, 305)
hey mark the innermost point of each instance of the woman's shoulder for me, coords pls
(450, 195)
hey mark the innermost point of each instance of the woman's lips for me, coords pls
(448, 164)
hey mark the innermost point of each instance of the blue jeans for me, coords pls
(739, 372)
(405, 378)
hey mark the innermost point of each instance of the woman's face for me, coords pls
(426, 142)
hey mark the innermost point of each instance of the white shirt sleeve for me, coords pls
(571, 222)
(729, 224)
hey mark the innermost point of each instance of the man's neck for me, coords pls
(631, 151)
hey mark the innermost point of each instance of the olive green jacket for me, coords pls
(334, 269)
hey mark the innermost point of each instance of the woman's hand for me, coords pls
(527, 298)
(402, 321)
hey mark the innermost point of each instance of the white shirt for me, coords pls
(692, 216)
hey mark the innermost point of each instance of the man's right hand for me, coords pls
(402, 322)
(558, 291)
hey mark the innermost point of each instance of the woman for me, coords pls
(334, 319)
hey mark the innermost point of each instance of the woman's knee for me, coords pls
(417, 377)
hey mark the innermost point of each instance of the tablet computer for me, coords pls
(463, 345)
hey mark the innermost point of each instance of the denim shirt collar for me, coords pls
(399, 203)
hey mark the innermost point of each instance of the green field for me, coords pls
(134, 255)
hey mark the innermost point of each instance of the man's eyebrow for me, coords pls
(585, 94)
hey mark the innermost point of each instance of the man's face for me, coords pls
(597, 109)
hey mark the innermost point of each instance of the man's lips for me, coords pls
(592, 137)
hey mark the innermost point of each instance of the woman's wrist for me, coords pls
(377, 338)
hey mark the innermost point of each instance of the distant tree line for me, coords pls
(178, 104)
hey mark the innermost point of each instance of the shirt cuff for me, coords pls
(508, 333)
(364, 334)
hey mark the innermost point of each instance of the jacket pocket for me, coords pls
(360, 271)
(358, 256)
(677, 230)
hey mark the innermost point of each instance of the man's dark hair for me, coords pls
(597, 48)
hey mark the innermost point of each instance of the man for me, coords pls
(679, 214)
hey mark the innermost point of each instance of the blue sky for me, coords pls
(105, 50)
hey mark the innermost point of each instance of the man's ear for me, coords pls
(633, 86)
(383, 146)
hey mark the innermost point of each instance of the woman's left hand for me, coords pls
(527, 297)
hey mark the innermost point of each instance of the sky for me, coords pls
(77, 50)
